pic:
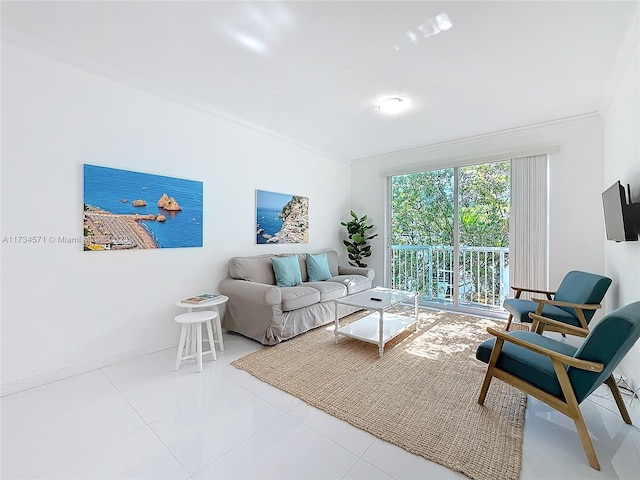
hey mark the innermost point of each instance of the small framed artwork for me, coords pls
(125, 210)
(281, 218)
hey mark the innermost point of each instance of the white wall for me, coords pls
(622, 161)
(576, 227)
(65, 311)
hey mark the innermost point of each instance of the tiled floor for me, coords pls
(140, 419)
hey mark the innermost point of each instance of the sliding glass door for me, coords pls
(450, 235)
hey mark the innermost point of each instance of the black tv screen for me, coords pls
(617, 224)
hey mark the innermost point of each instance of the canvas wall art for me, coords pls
(125, 210)
(281, 218)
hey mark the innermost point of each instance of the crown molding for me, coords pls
(52, 53)
(57, 55)
(438, 149)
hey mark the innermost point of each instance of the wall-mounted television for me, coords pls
(621, 218)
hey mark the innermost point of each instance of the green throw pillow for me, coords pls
(318, 267)
(287, 270)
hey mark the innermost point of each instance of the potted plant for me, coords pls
(358, 246)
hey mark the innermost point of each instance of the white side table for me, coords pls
(192, 327)
(211, 305)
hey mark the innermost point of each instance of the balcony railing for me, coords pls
(483, 278)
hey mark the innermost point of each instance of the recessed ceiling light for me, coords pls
(393, 105)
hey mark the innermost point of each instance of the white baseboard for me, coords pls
(77, 369)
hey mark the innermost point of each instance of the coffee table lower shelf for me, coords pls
(367, 329)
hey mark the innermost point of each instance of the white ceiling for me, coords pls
(312, 72)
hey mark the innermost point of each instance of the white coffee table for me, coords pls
(380, 326)
(211, 305)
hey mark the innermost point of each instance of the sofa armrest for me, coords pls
(251, 292)
(364, 271)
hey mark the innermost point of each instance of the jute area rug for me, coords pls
(421, 395)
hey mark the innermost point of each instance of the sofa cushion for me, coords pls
(329, 290)
(354, 283)
(257, 269)
(333, 259)
(298, 297)
(301, 261)
(318, 267)
(287, 271)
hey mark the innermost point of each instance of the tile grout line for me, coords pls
(101, 445)
(360, 459)
(240, 443)
(302, 423)
(147, 425)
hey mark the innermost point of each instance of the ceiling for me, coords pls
(313, 72)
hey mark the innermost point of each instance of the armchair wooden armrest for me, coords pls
(581, 306)
(560, 357)
(578, 307)
(539, 323)
(519, 291)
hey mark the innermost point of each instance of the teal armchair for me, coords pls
(574, 303)
(558, 374)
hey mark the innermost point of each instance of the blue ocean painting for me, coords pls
(269, 206)
(110, 199)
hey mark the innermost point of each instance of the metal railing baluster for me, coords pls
(483, 275)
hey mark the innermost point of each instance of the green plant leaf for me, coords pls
(357, 245)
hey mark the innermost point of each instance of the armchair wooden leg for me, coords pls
(495, 353)
(586, 441)
(573, 411)
(611, 383)
(537, 327)
(485, 386)
(506, 329)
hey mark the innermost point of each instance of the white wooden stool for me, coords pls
(212, 304)
(191, 336)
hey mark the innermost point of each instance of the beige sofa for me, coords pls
(259, 309)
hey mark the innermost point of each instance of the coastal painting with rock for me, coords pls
(281, 218)
(125, 210)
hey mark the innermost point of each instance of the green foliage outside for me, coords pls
(484, 204)
(423, 215)
(422, 205)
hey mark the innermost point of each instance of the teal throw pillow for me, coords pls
(287, 271)
(318, 267)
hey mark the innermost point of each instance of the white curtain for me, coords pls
(528, 236)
